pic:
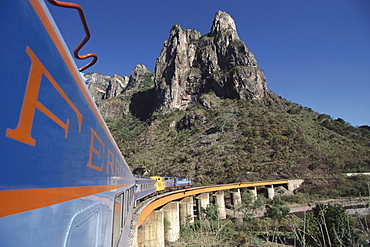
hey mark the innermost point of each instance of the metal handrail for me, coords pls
(86, 28)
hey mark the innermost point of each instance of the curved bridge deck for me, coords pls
(194, 191)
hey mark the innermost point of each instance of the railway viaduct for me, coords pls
(178, 207)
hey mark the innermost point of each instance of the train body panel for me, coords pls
(183, 182)
(64, 181)
(144, 187)
(63, 174)
(169, 182)
(85, 221)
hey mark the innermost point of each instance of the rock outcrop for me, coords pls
(111, 95)
(104, 87)
(190, 65)
(114, 108)
(137, 75)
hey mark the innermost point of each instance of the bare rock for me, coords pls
(104, 87)
(115, 95)
(173, 68)
(190, 65)
(114, 108)
(137, 76)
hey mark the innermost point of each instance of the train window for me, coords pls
(125, 205)
(130, 195)
(129, 199)
(117, 217)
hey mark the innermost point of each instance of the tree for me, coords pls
(249, 205)
(328, 225)
(277, 210)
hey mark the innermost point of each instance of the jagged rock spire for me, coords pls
(136, 74)
(224, 23)
(190, 65)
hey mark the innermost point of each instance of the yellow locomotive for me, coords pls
(159, 185)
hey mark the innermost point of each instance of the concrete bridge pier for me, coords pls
(135, 238)
(238, 221)
(253, 191)
(171, 213)
(236, 198)
(151, 232)
(202, 203)
(219, 198)
(187, 210)
(270, 191)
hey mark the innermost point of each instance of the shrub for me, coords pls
(328, 225)
(277, 210)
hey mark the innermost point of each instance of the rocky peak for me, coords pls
(104, 87)
(177, 56)
(136, 74)
(225, 25)
(190, 65)
(116, 85)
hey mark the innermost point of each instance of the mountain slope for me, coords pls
(229, 140)
(206, 113)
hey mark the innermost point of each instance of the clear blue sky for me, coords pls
(314, 53)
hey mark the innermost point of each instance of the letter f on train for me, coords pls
(22, 132)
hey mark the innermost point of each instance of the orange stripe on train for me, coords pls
(18, 201)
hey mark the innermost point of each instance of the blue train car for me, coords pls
(183, 182)
(144, 187)
(63, 181)
(169, 182)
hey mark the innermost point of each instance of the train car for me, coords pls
(183, 182)
(159, 185)
(63, 181)
(169, 182)
(144, 187)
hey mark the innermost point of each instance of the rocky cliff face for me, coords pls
(137, 75)
(190, 65)
(106, 90)
(104, 87)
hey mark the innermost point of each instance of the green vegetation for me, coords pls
(326, 225)
(248, 206)
(228, 140)
(208, 230)
(336, 186)
(145, 82)
(277, 210)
